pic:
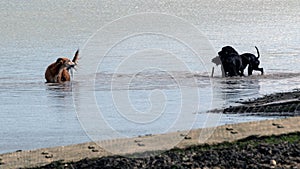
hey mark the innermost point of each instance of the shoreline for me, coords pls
(182, 139)
(226, 133)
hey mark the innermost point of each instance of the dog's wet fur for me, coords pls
(58, 72)
(252, 61)
(233, 64)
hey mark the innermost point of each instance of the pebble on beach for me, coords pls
(273, 162)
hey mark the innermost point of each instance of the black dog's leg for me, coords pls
(250, 70)
(223, 71)
(233, 72)
(242, 72)
(260, 69)
(236, 73)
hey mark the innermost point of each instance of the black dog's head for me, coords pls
(230, 60)
(226, 51)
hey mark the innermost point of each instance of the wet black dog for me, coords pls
(252, 61)
(231, 62)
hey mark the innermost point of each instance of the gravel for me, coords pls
(253, 152)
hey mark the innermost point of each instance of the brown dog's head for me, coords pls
(65, 63)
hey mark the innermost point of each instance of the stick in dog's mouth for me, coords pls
(71, 66)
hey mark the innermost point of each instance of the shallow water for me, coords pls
(153, 92)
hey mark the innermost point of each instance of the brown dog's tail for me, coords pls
(258, 55)
(75, 58)
(75, 61)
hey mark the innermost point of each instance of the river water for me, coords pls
(144, 67)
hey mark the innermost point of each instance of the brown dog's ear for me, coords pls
(59, 60)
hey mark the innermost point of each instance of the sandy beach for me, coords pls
(220, 134)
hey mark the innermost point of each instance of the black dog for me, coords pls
(252, 62)
(231, 62)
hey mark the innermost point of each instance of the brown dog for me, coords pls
(58, 72)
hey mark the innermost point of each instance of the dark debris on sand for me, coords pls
(278, 104)
(253, 152)
(295, 94)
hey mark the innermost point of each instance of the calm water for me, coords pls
(148, 92)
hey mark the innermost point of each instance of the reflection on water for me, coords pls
(240, 88)
(45, 113)
(60, 96)
(126, 102)
(35, 115)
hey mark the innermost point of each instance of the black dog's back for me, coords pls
(226, 51)
(252, 61)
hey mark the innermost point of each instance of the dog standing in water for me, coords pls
(58, 72)
(233, 64)
(252, 61)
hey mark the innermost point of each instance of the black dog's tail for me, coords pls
(257, 52)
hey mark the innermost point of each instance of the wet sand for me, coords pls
(161, 142)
